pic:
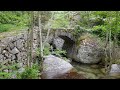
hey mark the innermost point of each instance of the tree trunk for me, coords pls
(30, 40)
(31, 37)
(115, 38)
(106, 55)
(108, 44)
(40, 35)
(110, 51)
(49, 27)
(28, 44)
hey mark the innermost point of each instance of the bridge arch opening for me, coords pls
(67, 44)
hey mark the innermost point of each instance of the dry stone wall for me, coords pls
(13, 48)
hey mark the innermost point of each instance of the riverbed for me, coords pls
(94, 71)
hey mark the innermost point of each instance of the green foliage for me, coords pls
(29, 73)
(46, 50)
(60, 20)
(13, 17)
(59, 52)
(9, 20)
(5, 75)
(5, 27)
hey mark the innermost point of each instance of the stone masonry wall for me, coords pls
(14, 48)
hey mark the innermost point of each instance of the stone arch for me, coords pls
(64, 43)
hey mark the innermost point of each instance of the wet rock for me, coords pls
(71, 74)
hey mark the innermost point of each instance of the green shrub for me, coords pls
(9, 20)
(46, 51)
(5, 75)
(59, 52)
(29, 73)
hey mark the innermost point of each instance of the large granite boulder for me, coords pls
(57, 68)
(87, 50)
(54, 66)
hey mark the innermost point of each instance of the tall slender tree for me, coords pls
(40, 35)
(30, 40)
(49, 28)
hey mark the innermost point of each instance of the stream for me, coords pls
(94, 71)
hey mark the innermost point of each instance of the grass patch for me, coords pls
(11, 30)
(10, 27)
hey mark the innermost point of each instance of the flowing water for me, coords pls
(92, 71)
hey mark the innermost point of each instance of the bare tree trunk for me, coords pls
(49, 27)
(28, 45)
(40, 35)
(31, 37)
(40, 42)
(30, 41)
(115, 38)
(106, 55)
(110, 51)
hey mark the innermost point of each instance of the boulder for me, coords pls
(87, 50)
(115, 70)
(58, 43)
(54, 66)
(57, 68)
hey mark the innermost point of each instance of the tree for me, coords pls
(30, 41)
(40, 35)
(49, 24)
